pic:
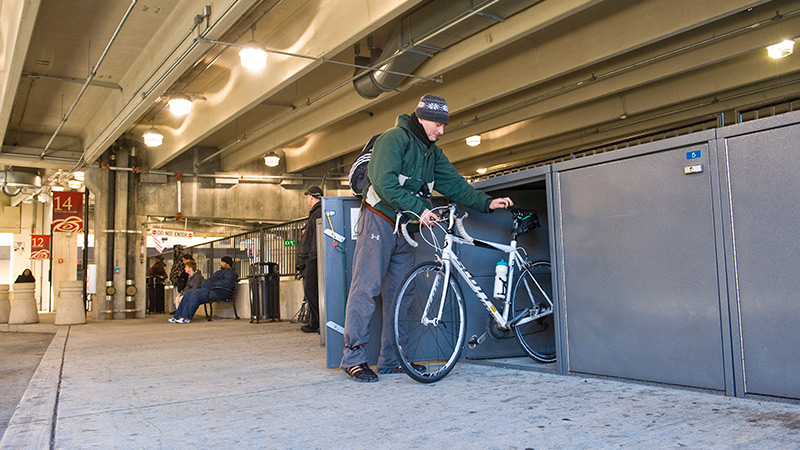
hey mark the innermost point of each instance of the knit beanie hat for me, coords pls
(227, 260)
(434, 108)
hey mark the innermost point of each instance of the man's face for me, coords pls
(310, 199)
(188, 270)
(223, 265)
(432, 129)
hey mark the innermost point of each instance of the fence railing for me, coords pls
(269, 244)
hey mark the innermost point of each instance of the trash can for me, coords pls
(265, 292)
(155, 295)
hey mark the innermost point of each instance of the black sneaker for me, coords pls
(309, 329)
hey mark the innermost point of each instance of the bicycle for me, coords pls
(429, 318)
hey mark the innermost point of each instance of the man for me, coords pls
(194, 279)
(405, 167)
(219, 287)
(307, 258)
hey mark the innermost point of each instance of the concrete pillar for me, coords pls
(5, 305)
(23, 305)
(70, 304)
(64, 252)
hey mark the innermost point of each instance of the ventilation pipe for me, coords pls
(15, 179)
(426, 32)
(131, 238)
(111, 217)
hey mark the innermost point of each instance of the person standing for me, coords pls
(158, 269)
(307, 258)
(405, 168)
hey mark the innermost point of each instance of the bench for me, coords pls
(209, 308)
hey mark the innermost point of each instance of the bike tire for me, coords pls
(428, 352)
(536, 337)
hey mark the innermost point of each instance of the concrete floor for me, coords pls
(20, 354)
(144, 384)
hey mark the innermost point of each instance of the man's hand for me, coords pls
(501, 203)
(428, 218)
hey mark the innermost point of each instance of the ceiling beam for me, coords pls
(309, 31)
(346, 102)
(599, 34)
(170, 52)
(17, 18)
(708, 90)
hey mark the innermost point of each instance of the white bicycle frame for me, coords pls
(450, 259)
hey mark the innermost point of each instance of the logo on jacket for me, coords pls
(375, 237)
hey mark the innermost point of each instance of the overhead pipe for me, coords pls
(90, 77)
(250, 178)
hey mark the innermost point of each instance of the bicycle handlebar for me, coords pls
(408, 238)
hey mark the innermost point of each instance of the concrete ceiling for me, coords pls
(554, 78)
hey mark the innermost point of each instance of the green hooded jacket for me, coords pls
(401, 164)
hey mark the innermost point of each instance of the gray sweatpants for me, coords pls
(380, 261)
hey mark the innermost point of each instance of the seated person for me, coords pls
(26, 277)
(219, 286)
(194, 278)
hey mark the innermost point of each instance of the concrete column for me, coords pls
(70, 301)
(5, 305)
(23, 304)
(64, 251)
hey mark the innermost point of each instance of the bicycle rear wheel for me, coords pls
(428, 349)
(537, 336)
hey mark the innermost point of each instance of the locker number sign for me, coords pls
(694, 154)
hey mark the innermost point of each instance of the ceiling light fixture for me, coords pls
(152, 138)
(781, 49)
(474, 141)
(80, 176)
(481, 171)
(272, 159)
(254, 56)
(180, 105)
(74, 184)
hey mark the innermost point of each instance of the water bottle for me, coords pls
(500, 278)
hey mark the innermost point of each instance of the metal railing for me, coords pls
(269, 244)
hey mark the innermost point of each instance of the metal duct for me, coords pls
(428, 31)
(15, 179)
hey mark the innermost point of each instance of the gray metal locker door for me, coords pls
(640, 286)
(764, 180)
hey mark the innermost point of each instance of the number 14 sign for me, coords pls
(68, 211)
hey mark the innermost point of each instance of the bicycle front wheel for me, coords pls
(538, 335)
(428, 327)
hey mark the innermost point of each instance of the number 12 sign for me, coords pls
(40, 246)
(68, 211)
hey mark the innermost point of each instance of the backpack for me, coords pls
(358, 170)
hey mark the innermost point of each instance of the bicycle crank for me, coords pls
(476, 341)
